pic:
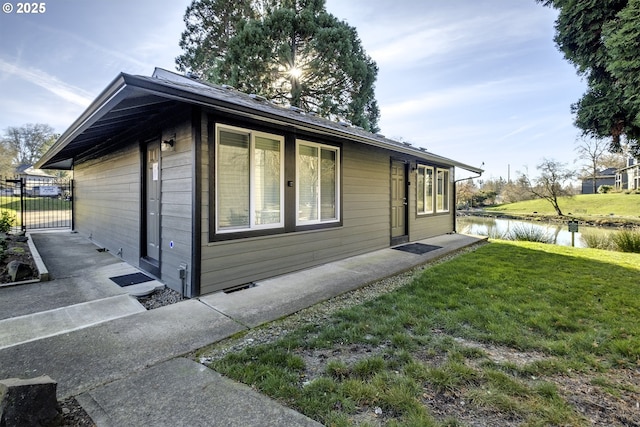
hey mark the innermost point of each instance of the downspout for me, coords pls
(196, 202)
(455, 187)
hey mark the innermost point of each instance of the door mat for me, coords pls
(417, 248)
(131, 279)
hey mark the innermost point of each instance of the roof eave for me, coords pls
(111, 95)
(190, 97)
(124, 83)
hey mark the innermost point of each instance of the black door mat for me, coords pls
(131, 279)
(417, 248)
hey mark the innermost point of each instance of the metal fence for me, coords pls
(37, 202)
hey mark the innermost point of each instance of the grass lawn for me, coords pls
(35, 204)
(583, 205)
(513, 333)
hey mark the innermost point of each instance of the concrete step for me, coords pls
(22, 329)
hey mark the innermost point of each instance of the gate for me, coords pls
(37, 202)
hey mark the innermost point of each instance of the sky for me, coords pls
(478, 81)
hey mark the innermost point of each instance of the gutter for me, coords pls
(111, 95)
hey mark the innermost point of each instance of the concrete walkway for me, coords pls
(124, 363)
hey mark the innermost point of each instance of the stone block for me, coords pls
(29, 402)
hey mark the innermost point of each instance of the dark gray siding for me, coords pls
(366, 222)
(107, 201)
(176, 218)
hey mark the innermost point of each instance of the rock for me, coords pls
(22, 239)
(29, 402)
(18, 270)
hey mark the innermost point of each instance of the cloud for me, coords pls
(49, 110)
(50, 83)
(453, 36)
(463, 96)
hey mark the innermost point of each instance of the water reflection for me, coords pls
(499, 227)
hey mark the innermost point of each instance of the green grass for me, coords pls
(583, 205)
(35, 204)
(579, 307)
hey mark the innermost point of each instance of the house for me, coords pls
(604, 177)
(35, 182)
(628, 177)
(208, 188)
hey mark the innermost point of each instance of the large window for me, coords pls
(433, 190)
(425, 190)
(249, 180)
(318, 195)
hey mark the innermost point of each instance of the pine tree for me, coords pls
(293, 52)
(600, 38)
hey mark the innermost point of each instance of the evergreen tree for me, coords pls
(293, 52)
(210, 24)
(600, 38)
(622, 41)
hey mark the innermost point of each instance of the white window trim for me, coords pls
(431, 209)
(448, 192)
(335, 149)
(252, 214)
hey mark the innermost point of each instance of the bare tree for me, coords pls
(549, 185)
(465, 191)
(7, 156)
(592, 150)
(516, 191)
(28, 142)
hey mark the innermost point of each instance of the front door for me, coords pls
(151, 252)
(399, 233)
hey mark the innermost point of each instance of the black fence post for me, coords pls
(23, 202)
(73, 212)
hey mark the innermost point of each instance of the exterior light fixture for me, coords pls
(169, 144)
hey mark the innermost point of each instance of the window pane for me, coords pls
(428, 188)
(233, 180)
(267, 181)
(328, 185)
(443, 191)
(307, 183)
(421, 188)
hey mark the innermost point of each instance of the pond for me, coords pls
(496, 227)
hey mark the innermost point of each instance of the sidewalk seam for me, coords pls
(247, 327)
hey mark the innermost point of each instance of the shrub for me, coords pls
(598, 241)
(530, 234)
(6, 221)
(604, 189)
(627, 240)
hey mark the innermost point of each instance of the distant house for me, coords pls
(628, 177)
(208, 188)
(34, 179)
(604, 177)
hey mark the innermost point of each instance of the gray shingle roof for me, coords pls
(130, 99)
